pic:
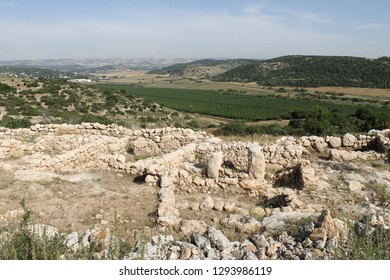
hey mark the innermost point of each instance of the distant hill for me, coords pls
(205, 68)
(312, 71)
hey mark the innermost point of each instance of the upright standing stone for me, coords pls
(214, 164)
(256, 162)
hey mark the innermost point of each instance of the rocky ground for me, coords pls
(178, 194)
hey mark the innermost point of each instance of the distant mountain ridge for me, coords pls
(312, 71)
(103, 64)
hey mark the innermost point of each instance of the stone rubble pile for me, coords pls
(316, 240)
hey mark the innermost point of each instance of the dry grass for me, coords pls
(262, 139)
(104, 196)
(361, 92)
(164, 81)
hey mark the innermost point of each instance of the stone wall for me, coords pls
(91, 145)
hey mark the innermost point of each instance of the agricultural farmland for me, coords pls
(229, 105)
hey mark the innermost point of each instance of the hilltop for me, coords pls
(312, 71)
(202, 69)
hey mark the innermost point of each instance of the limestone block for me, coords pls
(256, 162)
(334, 142)
(189, 227)
(207, 204)
(214, 164)
(348, 140)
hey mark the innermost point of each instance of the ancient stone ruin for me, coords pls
(287, 178)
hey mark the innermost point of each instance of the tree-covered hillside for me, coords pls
(179, 69)
(312, 71)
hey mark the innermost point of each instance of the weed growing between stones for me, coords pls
(21, 243)
(366, 245)
(381, 193)
(41, 242)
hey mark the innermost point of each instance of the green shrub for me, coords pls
(95, 119)
(234, 128)
(4, 89)
(193, 124)
(11, 122)
(178, 125)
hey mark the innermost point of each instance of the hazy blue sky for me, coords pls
(31, 29)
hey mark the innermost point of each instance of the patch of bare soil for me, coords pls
(83, 200)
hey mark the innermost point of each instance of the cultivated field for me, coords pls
(165, 81)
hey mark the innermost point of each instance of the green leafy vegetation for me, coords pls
(314, 71)
(307, 116)
(57, 101)
(11, 122)
(233, 106)
(19, 242)
(373, 246)
(4, 88)
(317, 121)
(381, 193)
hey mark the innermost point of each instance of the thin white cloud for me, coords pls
(368, 26)
(254, 9)
(325, 20)
(311, 17)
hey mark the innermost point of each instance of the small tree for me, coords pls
(318, 121)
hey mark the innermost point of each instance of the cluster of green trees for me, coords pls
(5, 89)
(58, 101)
(241, 128)
(313, 71)
(318, 121)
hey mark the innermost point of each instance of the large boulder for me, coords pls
(252, 185)
(217, 239)
(349, 140)
(207, 204)
(326, 228)
(307, 176)
(302, 176)
(188, 227)
(334, 142)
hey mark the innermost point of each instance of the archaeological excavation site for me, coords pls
(109, 192)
